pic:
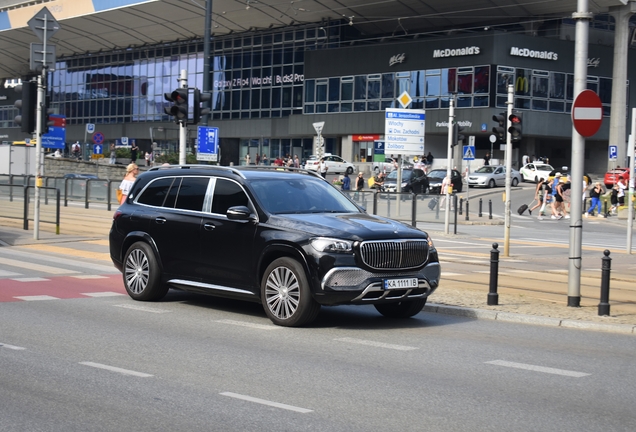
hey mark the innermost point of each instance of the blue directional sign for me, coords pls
(98, 149)
(613, 152)
(378, 147)
(207, 143)
(55, 138)
(469, 152)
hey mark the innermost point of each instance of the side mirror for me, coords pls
(240, 213)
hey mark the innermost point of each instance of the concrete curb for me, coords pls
(528, 319)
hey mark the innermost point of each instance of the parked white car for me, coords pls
(535, 171)
(335, 165)
(389, 165)
(491, 176)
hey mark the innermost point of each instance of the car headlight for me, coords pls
(405, 184)
(324, 244)
(430, 243)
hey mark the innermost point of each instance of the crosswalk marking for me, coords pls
(69, 251)
(34, 266)
(37, 297)
(5, 273)
(30, 279)
(102, 294)
(89, 277)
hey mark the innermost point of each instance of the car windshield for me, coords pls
(406, 175)
(437, 174)
(486, 169)
(301, 195)
(544, 168)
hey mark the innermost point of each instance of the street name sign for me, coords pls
(587, 113)
(404, 131)
(55, 138)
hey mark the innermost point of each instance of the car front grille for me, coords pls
(394, 254)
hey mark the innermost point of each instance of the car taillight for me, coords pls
(117, 214)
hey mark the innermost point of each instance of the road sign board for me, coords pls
(587, 113)
(124, 141)
(98, 138)
(207, 143)
(90, 128)
(98, 149)
(55, 138)
(404, 131)
(43, 24)
(613, 152)
(318, 127)
(58, 120)
(39, 58)
(405, 99)
(469, 152)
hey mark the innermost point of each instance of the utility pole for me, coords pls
(183, 125)
(449, 161)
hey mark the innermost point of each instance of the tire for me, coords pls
(404, 309)
(142, 276)
(349, 170)
(491, 183)
(514, 182)
(285, 294)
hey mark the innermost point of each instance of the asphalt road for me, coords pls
(199, 363)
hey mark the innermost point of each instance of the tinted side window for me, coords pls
(156, 192)
(192, 193)
(227, 194)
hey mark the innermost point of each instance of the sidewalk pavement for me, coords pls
(530, 291)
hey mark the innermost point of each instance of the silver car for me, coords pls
(491, 176)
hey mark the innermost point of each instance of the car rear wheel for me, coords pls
(349, 170)
(403, 309)
(491, 183)
(142, 277)
(285, 294)
(536, 179)
(515, 181)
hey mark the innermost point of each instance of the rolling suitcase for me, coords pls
(522, 209)
(433, 203)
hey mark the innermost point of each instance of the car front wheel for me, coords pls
(142, 276)
(515, 182)
(349, 170)
(285, 294)
(491, 183)
(403, 309)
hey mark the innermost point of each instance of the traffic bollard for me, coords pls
(461, 205)
(467, 209)
(493, 297)
(604, 306)
(480, 206)
(489, 209)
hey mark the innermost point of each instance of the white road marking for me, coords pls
(38, 297)
(538, 368)
(377, 344)
(116, 369)
(103, 294)
(522, 271)
(12, 347)
(266, 402)
(247, 324)
(5, 273)
(30, 279)
(90, 277)
(141, 308)
(34, 266)
(451, 274)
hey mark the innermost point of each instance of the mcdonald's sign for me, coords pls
(521, 84)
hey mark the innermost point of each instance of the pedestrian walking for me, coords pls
(487, 159)
(621, 191)
(323, 168)
(539, 194)
(296, 162)
(134, 152)
(346, 182)
(595, 196)
(132, 170)
(148, 158)
(76, 149)
(247, 159)
(113, 154)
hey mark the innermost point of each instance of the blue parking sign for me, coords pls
(613, 152)
(207, 143)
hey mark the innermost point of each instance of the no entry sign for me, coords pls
(587, 113)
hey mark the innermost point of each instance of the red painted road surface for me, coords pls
(62, 287)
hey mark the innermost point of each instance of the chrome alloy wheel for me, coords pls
(282, 292)
(137, 271)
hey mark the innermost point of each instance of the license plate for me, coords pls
(400, 283)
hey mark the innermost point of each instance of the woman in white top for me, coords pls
(132, 170)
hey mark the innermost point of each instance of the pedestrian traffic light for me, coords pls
(500, 129)
(179, 109)
(515, 128)
(457, 134)
(199, 111)
(26, 105)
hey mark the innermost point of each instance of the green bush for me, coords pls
(173, 159)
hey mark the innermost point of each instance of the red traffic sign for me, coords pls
(57, 120)
(98, 138)
(587, 113)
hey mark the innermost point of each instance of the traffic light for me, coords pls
(47, 118)
(179, 109)
(457, 134)
(500, 130)
(198, 111)
(27, 105)
(515, 128)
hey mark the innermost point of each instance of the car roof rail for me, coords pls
(279, 168)
(199, 166)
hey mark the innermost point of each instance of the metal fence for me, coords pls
(16, 204)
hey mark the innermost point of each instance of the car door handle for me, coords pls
(208, 226)
(160, 220)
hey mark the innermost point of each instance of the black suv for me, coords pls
(283, 237)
